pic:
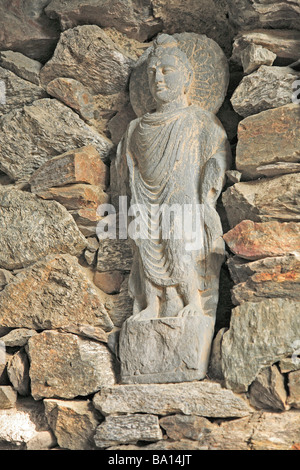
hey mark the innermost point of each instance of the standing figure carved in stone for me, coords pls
(172, 163)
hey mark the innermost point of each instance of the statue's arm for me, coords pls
(213, 176)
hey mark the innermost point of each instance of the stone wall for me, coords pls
(64, 74)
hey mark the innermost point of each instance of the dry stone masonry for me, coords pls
(73, 79)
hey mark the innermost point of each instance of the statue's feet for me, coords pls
(146, 314)
(190, 310)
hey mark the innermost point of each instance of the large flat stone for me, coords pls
(21, 65)
(31, 228)
(251, 240)
(62, 365)
(53, 293)
(204, 398)
(268, 138)
(127, 429)
(165, 350)
(260, 334)
(266, 88)
(84, 48)
(35, 133)
(261, 201)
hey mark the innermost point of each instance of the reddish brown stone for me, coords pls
(252, 240)
(109, 282)
(76, 196)
(83, 165)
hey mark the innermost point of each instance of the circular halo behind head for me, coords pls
(209, 65)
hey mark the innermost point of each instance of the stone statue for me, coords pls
(172, 164)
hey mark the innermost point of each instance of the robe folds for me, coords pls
(161, 163)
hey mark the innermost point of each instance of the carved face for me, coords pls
(167, 78)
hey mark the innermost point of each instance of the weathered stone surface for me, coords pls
(117, 125)
(164, 350)
(87, 220)
(253, 56)
(252, 240)
(268, 87)
(261, 201)
(268, 390)
(18, 372)
(180, 427)
(204, 398)
(21, 424)
(109, 281)
(278, 168)
(8, 397)
(46, 125)
(265, 278)
(73, 423)
(84, 48)
(26, 28)
(294, 389)
(76, 196)
(114, 254)
(127, 429)
(276, 431)
(106, 107)
(83, 165)
(52, 293)
(5, 357)
(32, 228)
(133, 18)
(21, 65)
(206, 17)
(64, 365)
(18, 337)
(41, 441)
(87, 331)
(215, 361)
(73, 94)
(284, 43)
(260, 334)
(289, 364)
(18, 92)
(267, 138)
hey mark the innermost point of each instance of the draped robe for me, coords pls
(161, 160)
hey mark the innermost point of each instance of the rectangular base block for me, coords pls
(164, 350)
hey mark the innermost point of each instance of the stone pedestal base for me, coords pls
(165, 350)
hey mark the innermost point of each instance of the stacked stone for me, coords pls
(259, 351)
(64, 292)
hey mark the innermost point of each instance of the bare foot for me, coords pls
(146, 314)
(190, 310)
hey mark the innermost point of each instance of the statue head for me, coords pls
(169, 70)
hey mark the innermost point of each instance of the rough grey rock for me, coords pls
(34, 134)
(18, 372)
(18, 337)
(73, 422)
(180, 427)
(267, 138)
(130, 428)
(32, 228)
(114, 254)
(268, 87)
(17, 92)
(26, 28)
(294, 389)
(5, 278)
(247, 14)
(253, 56)
(18, 426)
(120, 306)
(261, 201)
(53, 293)
(85, 48)
(22, 66)
(260, 334)
(8, 398)
(204, 398)
(268, 390)
(278, 168)
(63, 365)
(133, 18)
